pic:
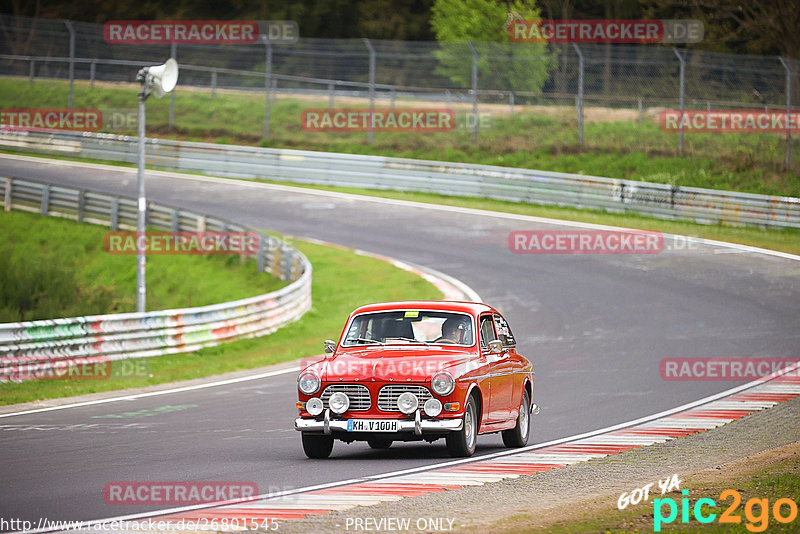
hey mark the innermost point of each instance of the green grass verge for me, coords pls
(52, 267)
(342, 281)
(775, 482)
(543, 138)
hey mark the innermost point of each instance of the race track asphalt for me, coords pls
(594, 326)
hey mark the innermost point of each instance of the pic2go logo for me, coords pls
(756, 511)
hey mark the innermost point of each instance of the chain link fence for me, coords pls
(582, 84)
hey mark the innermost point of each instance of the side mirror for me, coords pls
(496, 346)
(330, 346)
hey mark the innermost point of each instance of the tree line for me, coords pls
(736, 26)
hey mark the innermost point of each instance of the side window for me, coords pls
(487, 332)
(504, 332)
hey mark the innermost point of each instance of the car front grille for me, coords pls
(359, 396)
(387, 396)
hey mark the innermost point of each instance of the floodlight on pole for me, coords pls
(157, 80)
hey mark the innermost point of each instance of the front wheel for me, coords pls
(462, 443)
(317, 446)
(518, 436)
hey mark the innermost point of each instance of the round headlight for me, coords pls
(308, 382)
(443, 383)
(407, 402)
(433, 407)
(339, 402)
(314, 406)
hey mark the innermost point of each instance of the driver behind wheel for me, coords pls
(455, 330)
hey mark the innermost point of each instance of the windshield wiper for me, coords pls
(364, 340)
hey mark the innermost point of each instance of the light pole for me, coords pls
(158, 80)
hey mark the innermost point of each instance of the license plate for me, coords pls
(371, 425)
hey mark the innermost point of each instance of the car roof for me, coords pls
(473, 308)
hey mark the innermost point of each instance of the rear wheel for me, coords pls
(518, 436)
(316, 446)
(462, 443)
(379, 443)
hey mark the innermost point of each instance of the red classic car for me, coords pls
(409, 371)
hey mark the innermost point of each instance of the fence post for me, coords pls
(267, 86)
(579, 100)
(474, 92)
(260, 255)
(175, 222)
(683, 92)
(213, 83)
(173, 53)
(7, 199)
(330, 96)
(81, 204)
(640, 110)
(788, 111)
(45, 200)
(92, 68)
(32, 71)
(370, 132)
(114, 222)
(71, 60)
(511, 102)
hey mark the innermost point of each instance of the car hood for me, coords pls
(392, 364)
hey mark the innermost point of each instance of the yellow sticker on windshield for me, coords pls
(412, 314)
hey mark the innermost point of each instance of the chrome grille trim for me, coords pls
(358, 394)
(387, 396)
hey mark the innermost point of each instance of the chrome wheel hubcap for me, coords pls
(523, 420)
(468, 424)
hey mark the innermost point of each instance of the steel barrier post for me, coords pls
(683, 94)
(7, 199)
(45, 199)
(71, 60)
(474, 92)
(267, 86)
(173, 54)
(579, 99)
(788, 111)
(370, 131)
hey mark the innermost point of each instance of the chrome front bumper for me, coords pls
(417, 425)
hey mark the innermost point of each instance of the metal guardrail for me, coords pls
(29, 349)
(457, 179)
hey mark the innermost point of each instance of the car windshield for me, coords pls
(398, 327)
